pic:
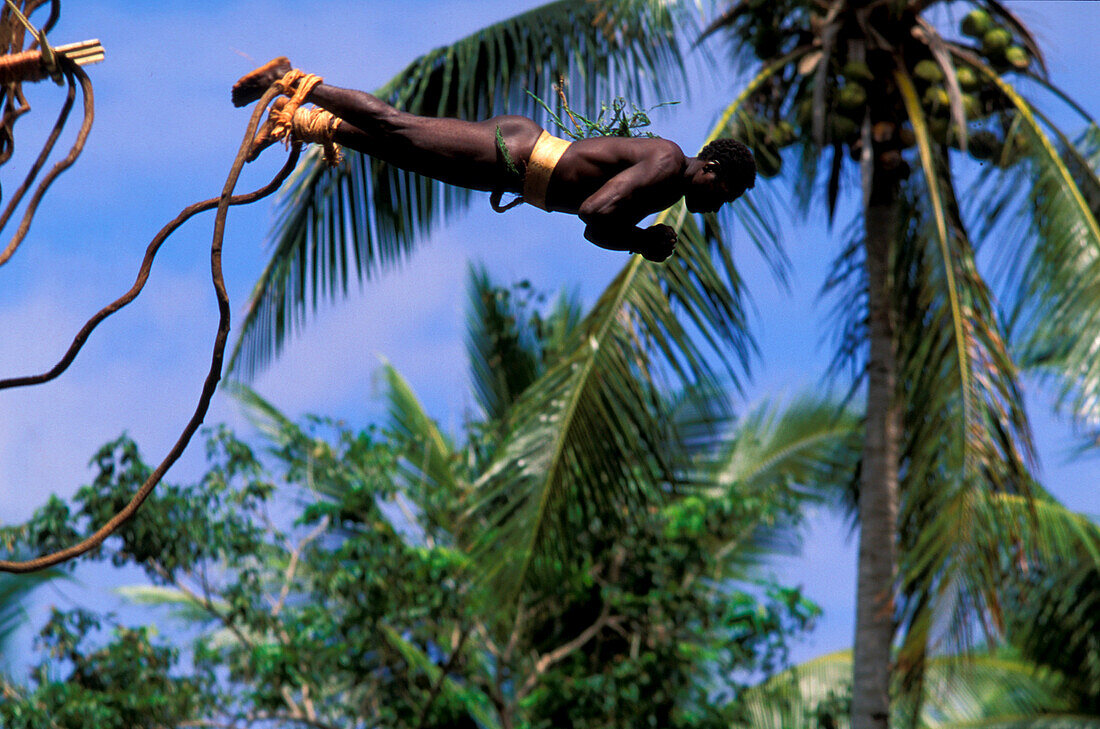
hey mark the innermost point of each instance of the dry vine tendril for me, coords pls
(214, 374)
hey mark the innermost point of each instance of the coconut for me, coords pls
(782, 133)
(937, 128)
(996, 41)
(857, 71)
(968, 78)
(929, 71)
(851, 96)
(983, 144)
(937, 97)
(972, 106)
(883, 131)
(804, 113)
(977, 23)
(844, 128)
(1017, 56)
(890, 159)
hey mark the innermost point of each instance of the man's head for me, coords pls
(727, 171)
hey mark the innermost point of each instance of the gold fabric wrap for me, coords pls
(540, 168)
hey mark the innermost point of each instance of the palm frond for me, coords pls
(474, 701)
(592, 436)
(802, 452)
(184, 607)
(809, 444)
(757, 212)
(503, 352)
(920, 128)
(262, 414)
(14, 589)
(956, 441)
(1055, 278)
(430, 467)
(366, 216)
(799, 696)
(1053, 595)
(983, 547)
(987, 689)
(974, 690)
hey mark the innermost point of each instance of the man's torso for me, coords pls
(589, 163)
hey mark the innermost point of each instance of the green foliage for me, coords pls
(125, 683)
(992, 689)
(331, 578)
(618, 124)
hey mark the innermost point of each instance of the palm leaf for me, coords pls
(503, 352)
(1056, 288)
(975, 690)
(920, 128)
(954, 442)
(14, 589)
(477, 703)
(809, 444)
(365, 216)
(430, 467)
(592, 435)
(798, 696)
(983, 546)
(184, 607)
(802, 452)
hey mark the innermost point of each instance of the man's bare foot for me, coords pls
(253, 84)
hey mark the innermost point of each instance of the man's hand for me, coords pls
(657, 242)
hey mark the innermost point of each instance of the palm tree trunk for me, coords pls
(878, 496)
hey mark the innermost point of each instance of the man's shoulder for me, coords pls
(660, 152)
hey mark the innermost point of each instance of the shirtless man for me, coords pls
(610, 183)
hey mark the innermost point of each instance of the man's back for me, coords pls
(589, 164)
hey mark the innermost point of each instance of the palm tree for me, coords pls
(742, 483)
(1045, 676)
(882, 84)
(731, 470)
(877, 83)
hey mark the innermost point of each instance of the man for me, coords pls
(610, 183)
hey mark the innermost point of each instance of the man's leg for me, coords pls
(452, 150)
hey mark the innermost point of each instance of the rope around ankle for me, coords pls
(304, 125)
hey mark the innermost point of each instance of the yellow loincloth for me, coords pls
(540, 168)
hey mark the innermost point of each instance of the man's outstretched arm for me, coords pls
(611, 213)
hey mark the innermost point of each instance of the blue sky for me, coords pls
(165, 136)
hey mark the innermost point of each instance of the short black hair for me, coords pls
(735, 162)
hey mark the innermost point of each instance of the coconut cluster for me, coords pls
(996, 41)
(854, 92)
(766, 138)
(997, 45)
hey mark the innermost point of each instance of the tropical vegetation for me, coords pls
(328, 581)
(908, 102)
